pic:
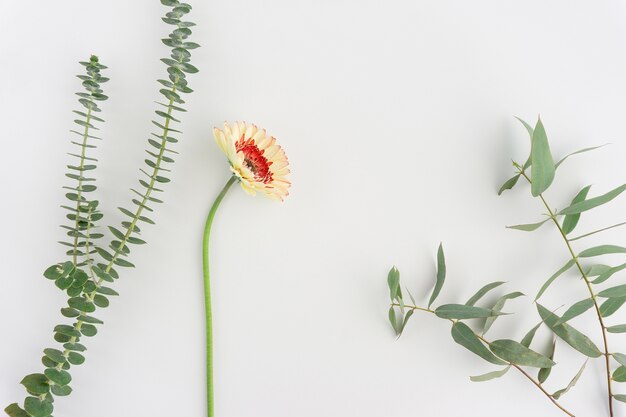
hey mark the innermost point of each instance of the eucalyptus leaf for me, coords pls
(484, 290)
(462, 311)
(568, 334)
(554, 276)
(544, 373)
(530, 131)
(14, 410)
(464, 336)
(543, 169)
(620, 328)
(620, 358)
(620, 397)
(61, 391)
(602, 250)
(490, 375)
(558, 394)
(593, 202)
(611, 305)
(407, 316)
(528, 227)
(597, 231)
(59, 377)
(528, 338)
(528, 128)
(618, 291)
(576, 153)
(393, 281)
(392, 319)
(571, 220)
(577, 309)
(608, 273)
(441, 274)
(497, 309)
(619, 375)
(516, 353)
(36, 407)
(37, 384)
(509, 184)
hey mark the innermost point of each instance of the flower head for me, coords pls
(255, 158)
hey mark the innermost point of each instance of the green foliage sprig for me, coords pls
(592, 274)
(506, 353)
(82, 277)
(539, 171)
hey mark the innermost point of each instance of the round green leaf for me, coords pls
(36, 384)
(38, 408)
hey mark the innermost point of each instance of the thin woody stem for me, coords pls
(591, 293)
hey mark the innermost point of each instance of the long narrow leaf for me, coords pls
(571, 220)
(576, 310)
(620, 328)
(608, 273)
(508, 184)
(528, 338)
(462, 312)
(515, 352)
(530, 131)
(528, 227)
(602, 250)
(576, 153)
(568, 334)
(464, 336)
(544, 373)
(618, 291)
(484, 290)
(554, 276)
(490, 375)
(571, 384)
(441, 274)
(497, 308)
(611, 305)
(597, 231)
(542, 173)
(593, 202)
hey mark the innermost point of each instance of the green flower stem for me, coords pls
(519, 368)
(207, 295)
(591, 293)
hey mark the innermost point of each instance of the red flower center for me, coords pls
(254, 160)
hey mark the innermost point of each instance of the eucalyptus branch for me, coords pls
(592, 295)
(503, 352)
(511, 364)
(541, 177)
(86, 295)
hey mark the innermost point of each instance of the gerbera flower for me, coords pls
(255, 159)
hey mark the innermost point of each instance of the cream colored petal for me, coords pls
(271, 151)
(279, 164)
(259, 137)
(221, 140)
(227, 130)
(247, 188)
(266, 141)
(242, 130)
(281, 172)
(250, 131)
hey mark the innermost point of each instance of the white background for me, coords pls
(398, 121)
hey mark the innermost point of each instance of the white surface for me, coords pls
(398, 120)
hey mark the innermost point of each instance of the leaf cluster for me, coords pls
(86, 276)
(539, 171)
